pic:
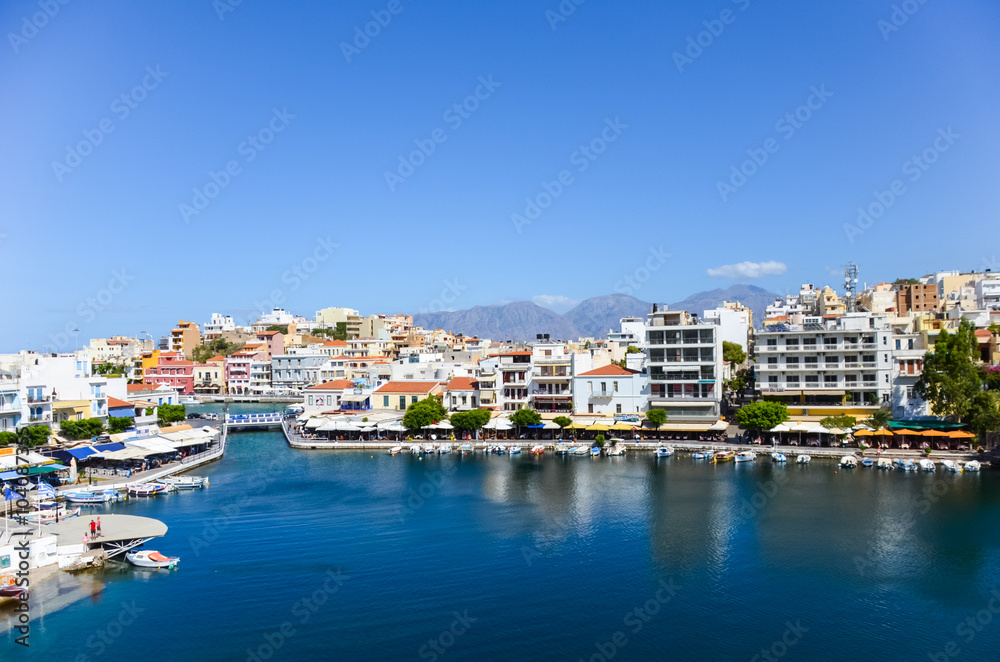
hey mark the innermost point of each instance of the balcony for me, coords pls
(39, 400)
(10, 408)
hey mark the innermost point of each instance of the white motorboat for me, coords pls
(778, 457)
(972, 465)
(104, 496)
(616, 450)
(581, 450)
(151, 559)
(884, 463)
(395, 449)
(149, 489)
(191, 401)
(595, 451)
(49, 516)
(563, 449)
(185, 482)
(803, 459)
(746, 456)
(950, 465)
(664, 451)
(430, 448)
(466, 448)
(849, 462)
(926, 465)
(444, 448)
(514, 450)
(537, 450)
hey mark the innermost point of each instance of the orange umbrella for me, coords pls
(882, 432)
(960, 434)
(934, 433)
(909, 432)
(864, 433)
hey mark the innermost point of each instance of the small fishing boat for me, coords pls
(91, 497)
(416, 449)
(849, 462)
(189, 400)
(149, 489)
(616, 450)
(702, 455)
(151, 559)
(395, 449)
(724, 456)
(778, 457)
(595, 451)
(430, 448)
(563, 449)
(906, 465)
(185, 482)
(950, 465)
(49, 516)
(664, 451)
(581, 450)
(926, 465)
(884, 464)
(12, 592)
(867, 462)
(803, 459)
(514, 450)
(537, 450)
(444, 448)
(972, 465)
(746, 456)
(465, 448)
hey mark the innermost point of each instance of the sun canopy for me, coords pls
(780, 427)
(960, 434)
(836, 431)
(818, 429)
(910, 432)
(622, 426)
(82, 452)
(882, 432)
(550, 425)
(718, 425)
(442, 425)
(314, 423)
(598, 427)
(864, 433)
(576, 426)
(934, 433)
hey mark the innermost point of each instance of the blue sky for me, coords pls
(102, 241)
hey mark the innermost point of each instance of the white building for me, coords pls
(685, 365)
(217, 326)
(840, 366)
(908, 365)
(734, 324)
(610, 390)
(988, 293)
(551, 378)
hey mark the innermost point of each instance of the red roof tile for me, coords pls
(335, 385)
(462, 384)
(611, 370)
(407, 387)
(115, 402)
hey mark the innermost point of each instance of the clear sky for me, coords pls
(614, 121)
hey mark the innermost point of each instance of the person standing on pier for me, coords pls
(99, 534)
(93, 530)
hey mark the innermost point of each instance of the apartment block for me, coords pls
(685, 365)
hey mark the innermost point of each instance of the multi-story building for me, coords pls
(10, 402)
(184, 338)
(879, 298)
(292, 372)
(735, 322)
(829, 303)
(336, 395)
(818, 369)
(239, 366)
(685, 365)
(916, 298)
(490, 390)
(210, 377)
(461, 394)
(515, 378)
(174, 371)
(551, 378)
(988, 293)
(218, 327)
(908, 352)
(118, 350)
(610, 390)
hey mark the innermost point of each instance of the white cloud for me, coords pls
(556, 302)
(749, 270)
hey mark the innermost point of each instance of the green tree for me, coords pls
(85, 429)
(338, 333)
(732, 353)
(109, 368)
(471, 420)
(562, 421)
(984, 414)
(33, 435)
(280, 328)
(524, 417)
(118, 424)
(168, 414)
(7, 438)
(422, 413)
(950, 378)
(842, 421)
(994, 328)
(657, 417)
(599, 440)
(632, 349)
(762, 415)
(880, 418)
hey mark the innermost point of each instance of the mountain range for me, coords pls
(593, 317)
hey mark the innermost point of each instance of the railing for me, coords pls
(44, 398)
(542, 391)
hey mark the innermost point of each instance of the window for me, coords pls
(793, 380)
(590, 387)
(310, 399)
(413, 399)
(604, 387)
(614, 385)
(329, 400)
(618, 408)
(590, 409)
(899, 344)
(812, 380)
(772, 342)
(811, 360)
(402, 402)
(911, 393)
(772, 360)
(909, 343)
(385, 401)
(792, 360)
(772, 379)
(830, 380)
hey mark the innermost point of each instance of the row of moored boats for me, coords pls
(902, 464)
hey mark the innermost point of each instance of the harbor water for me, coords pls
(344, 555)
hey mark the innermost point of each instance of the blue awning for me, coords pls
(104, 448)
(82, 452)
(535, 427)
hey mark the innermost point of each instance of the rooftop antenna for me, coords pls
(851, 286)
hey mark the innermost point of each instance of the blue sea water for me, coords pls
(296, 555)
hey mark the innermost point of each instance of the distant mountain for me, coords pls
(597, 315)
(753, 297)
(520, 320)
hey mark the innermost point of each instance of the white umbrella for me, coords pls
(369, 428)
(443, 425)
(330, 426)
(395, 426)
(550, 425)
(345, 426)
(314, 423)
(818, 429)
(800, 426)
(780, 427)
